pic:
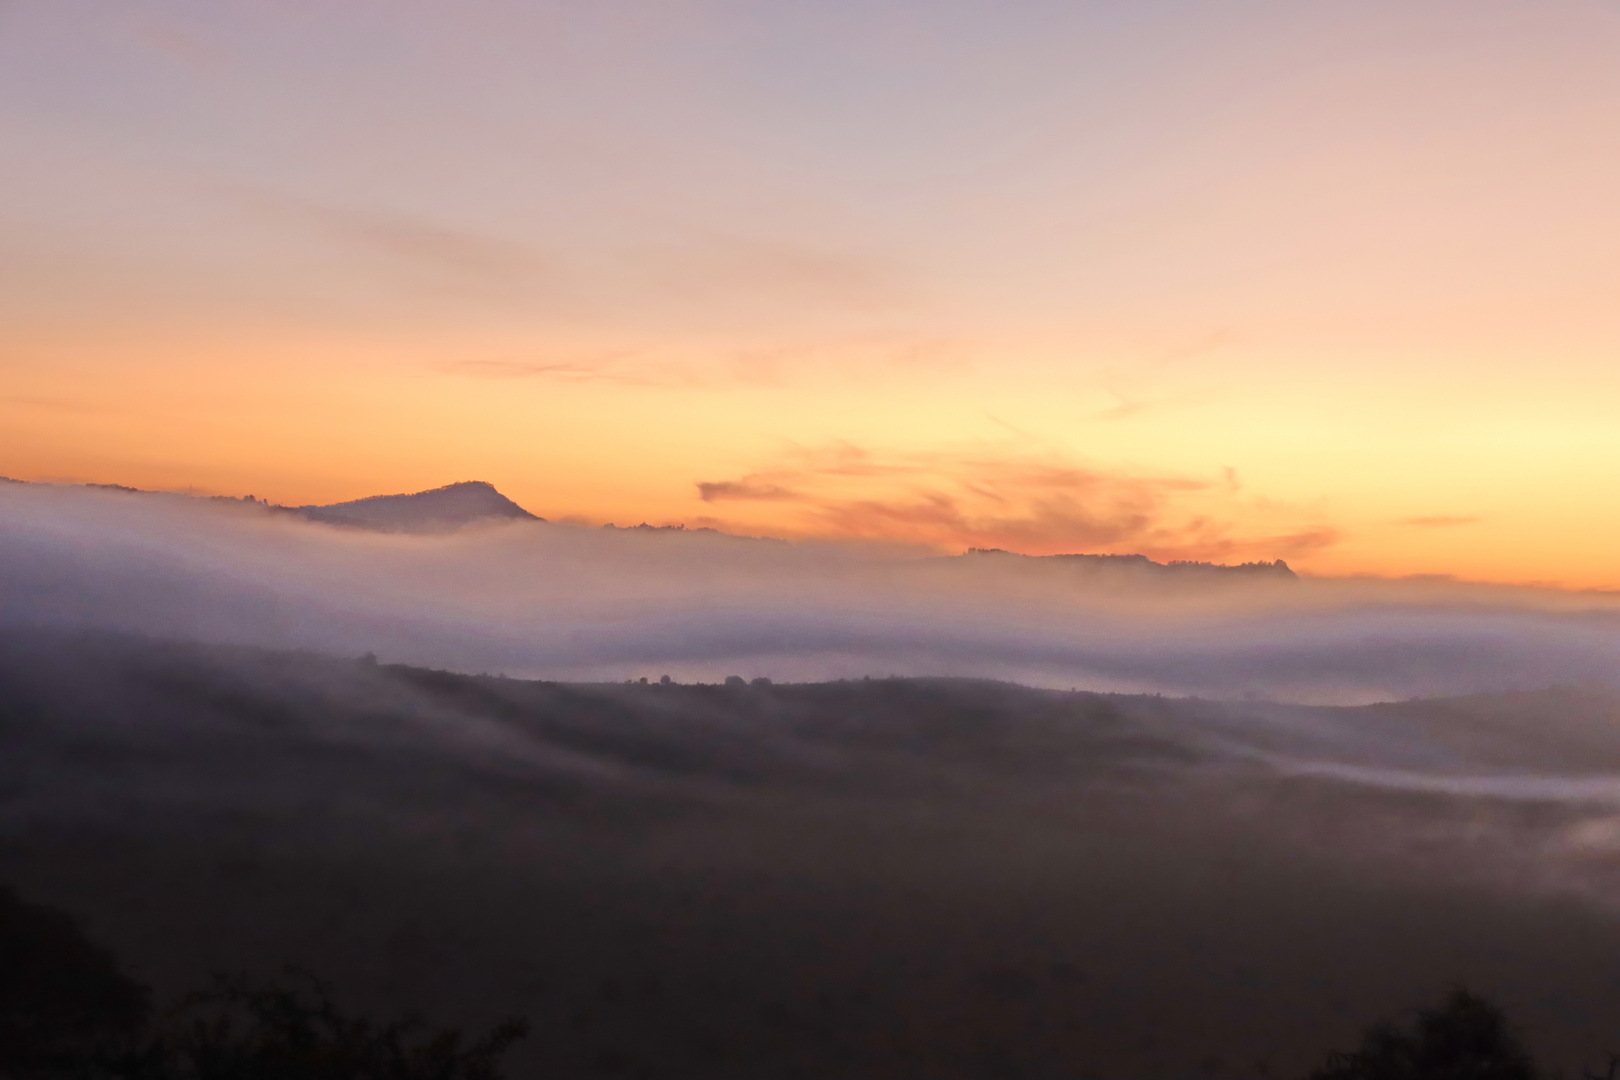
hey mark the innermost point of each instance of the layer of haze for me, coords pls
(1333, 283)
(565, 601)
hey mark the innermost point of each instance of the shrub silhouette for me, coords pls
(1464, 1038)
(67, 1012)
(63, 998)
(239, 1030)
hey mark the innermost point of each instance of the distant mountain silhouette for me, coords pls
(1143, 564)
(454, 505)
(681, 528)
(448, 507)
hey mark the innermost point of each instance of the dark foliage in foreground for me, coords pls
(68, 1013)
(62, 997)
(240, 1030)
(1464, 1038)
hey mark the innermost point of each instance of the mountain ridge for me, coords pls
(1141, 563)
(465, 502)
(437, 509)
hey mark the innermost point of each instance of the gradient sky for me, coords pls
(1337, 283)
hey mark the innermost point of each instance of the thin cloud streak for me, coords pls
(768, 269)
(635, 360)
(746, 488)
(420, 255)
(405, 238)
(995, 497)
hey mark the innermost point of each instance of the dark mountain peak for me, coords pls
(440, 509)
(1143, 564)
(646, 528)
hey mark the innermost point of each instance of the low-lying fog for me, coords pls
(560, 601)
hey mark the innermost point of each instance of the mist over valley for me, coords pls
(531, 598)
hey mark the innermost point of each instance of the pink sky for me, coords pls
(1334, 283)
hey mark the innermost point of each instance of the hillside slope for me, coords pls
(871, 878)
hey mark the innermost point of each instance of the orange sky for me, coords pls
(1333, 283)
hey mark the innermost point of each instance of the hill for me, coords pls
(448, 507)
(894, 877)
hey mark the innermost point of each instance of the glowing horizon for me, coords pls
(1333, 285)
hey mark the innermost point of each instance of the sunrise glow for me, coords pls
(1329, 283)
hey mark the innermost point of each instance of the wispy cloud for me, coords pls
(776, 270)
(745, 488)
(644, 360)
(1001, 497)
(415, 251)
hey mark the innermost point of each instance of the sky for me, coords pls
(1334, 283)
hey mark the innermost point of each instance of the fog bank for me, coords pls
(548, 600)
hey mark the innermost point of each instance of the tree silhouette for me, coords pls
(67, 1012)
(1465, 1037)
(63, 999)
(239, 1030)
(1611, 1074)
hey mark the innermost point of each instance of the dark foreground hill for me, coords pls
(890, 878)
